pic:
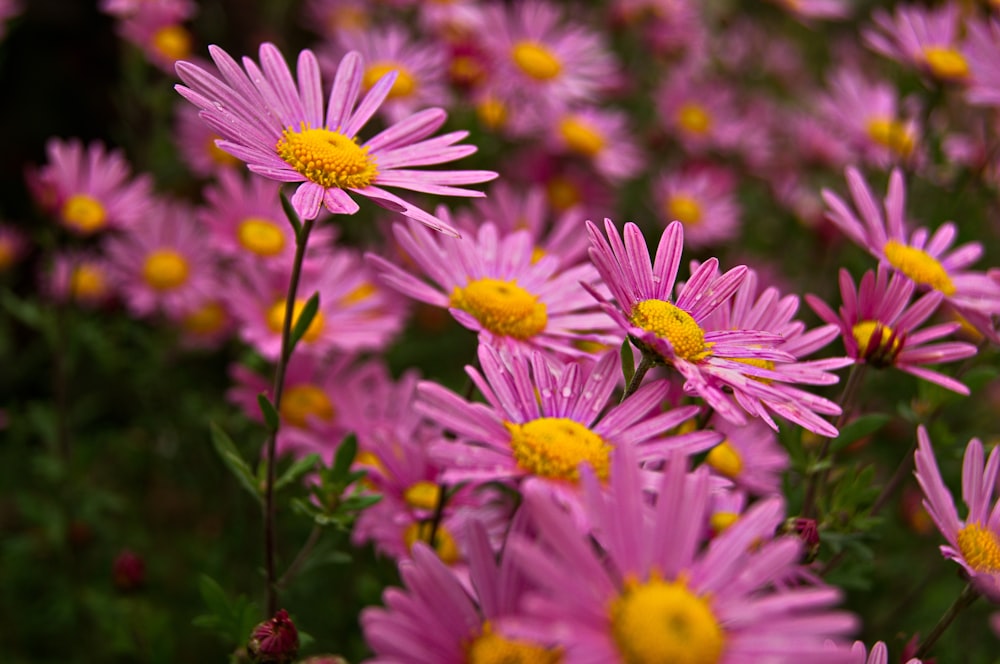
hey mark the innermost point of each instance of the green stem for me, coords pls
(645, 364)
(300, 559)
(964, 599)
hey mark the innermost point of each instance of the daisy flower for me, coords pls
(750, 456)
(599, 136)
(672, 329)
(196, 146)
(279, 128)
(631, 598)
(926, 258)
(81, 277)
(878, 326)
(700, 114)
(982, 49)
(701, 199)
(157, 32)
(208, 322)
(974, 543)
(927, 39)
(492, 285)
(90, 189)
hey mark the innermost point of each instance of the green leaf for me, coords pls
(345, 457)
(267, 409)
(293, 216)
(231, 457)
(858, 429)
(297, 470)
(231, 619)
(305, 319)
(628, 361)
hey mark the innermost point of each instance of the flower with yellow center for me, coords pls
(173, 42)
(563, 193)
(659, 621)
(581, 136)
(205, 320)
(725, 459)
(304, 402)
(502, 307)
(882, 353)
(892, 134)
(88, 282)
(405, 85)
(720, 521)
(919, 266)
(492, 648)
(423, 495)
(444, 543)
(946, 63)
(327, 158)
(165, 270)
(554, 447)
(694, 119)
(536, 61)
(261, 236)
(84, 213)
(492, 112)
(276, 319)
(360, 293)
(980, 548)
(672, 323)
(218, 156)
(684, 209)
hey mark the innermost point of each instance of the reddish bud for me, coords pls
(129, 571)
(274, 641)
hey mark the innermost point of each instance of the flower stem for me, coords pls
(277, 389)
(645, 364)
(964, 599)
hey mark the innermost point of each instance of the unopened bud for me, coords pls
(129, 571)
(807, 531)
(274, 641)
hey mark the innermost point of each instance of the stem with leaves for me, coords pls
(964, 599)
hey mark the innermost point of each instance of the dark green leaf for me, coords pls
(231, 457)
(344, 458)
(271, 418)
(858, 429)
(297, 470)
(628, 361)
(293, 216)
(305, 319)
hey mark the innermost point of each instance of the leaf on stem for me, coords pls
(269, 412)
(234, 461)
(303, 320)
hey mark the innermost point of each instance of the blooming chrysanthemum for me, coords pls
(207, 322)
(542, 419)
(81, 277)
(701, 199)
(280, 129)
(90, 189)
(982, 49)
(599, 136)
(493, 285)
(926, 258)
(974, 543)
(669, 27)
(632, 599)
(672, 329)
(700, 113)
(750, 456)
(927, 39)
(878, 326)
(157, 32)
(196, 146)
(335, 18)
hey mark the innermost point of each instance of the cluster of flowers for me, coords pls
(541, 521)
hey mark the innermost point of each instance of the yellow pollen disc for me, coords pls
(492, 648)
(444, 546)
(173, 42)
(87, 282)
(554, 447)
(465, 70)
(261, 236)
(276, 318)
(673, 324)
(304, 402)
(364, 291)
(423, 495)
(662, 621)
(722, 520)
(592, 347)
(725, 459)
(165, 269)
(892, 134)
(502, 307)
(883, 354)
(404, 86)
(694, 119)
(205, 320)
(536, 61)
(217, 154)
(946, 63)
(563, 193)
(491, 113)
(684, 209)
(537, 254)
(979, 548)
(919, 266)
(581, 137)
(84, 213)
(327, 158)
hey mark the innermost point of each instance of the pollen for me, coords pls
(404, 86)
(663, 621)
(536, 61)
(423, 495)
(502, 307)
(261, 236)
(304, 402)
(684, 209)
(84, 213)
(554, 447)
(946, 63)
(720, 521)
(492, 648)
(207, 319)
(581, 137)
(919, 266)
(165, 270)
(877, 343)
(87, 282)
(979, 548)
(892, 134)
(673, 324)
(725, 459)
(173, 42)
(276, 319)
(444, 543)
(694, 119)
(327, 157)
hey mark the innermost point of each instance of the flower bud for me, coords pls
(274, 641)
(129, 571)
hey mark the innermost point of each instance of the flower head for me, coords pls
(982, 48)
(701, 199)
(924, 38)
(274, 641)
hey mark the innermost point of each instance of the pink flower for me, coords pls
(927, 39)
(600, 137)
(702, 199)
(982, 49)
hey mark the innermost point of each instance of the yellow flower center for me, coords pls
(722, 520)
(327, 158)
(725, 459)
(892, 134)
(694, 119)
(684, 209)
(205, 320)
(536, 61)
(217, 154)
(885, 348)
(563, 193)
(502, 307)
(405, 84)
(165, 269)
(359, 294)
(492, 648)
(946, 63)
(760, 364)
(444, 543)
(662, 621)
(554, 447)
(491, 113)
(673, 324)
(980, 548)
(173, 42)
(261, 236)
(84, 213)
(304, 402)
(87, 282)
(423, 495)
(581, 137)
(919, 266)
(276, 318)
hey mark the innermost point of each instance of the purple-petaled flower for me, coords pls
(601, 137)
(279, 128)
(699, 113)
(702, 199)
(493, 285)
(672, 329)
(982, 49)
(542, 419)
(974, 543)
(750, 456)
(81, 277)
(274, 641)
(927, 39)
(879, 654)
(633, 597)
(158, 34)
(878, 326)
(926, 258)
(196, 146)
